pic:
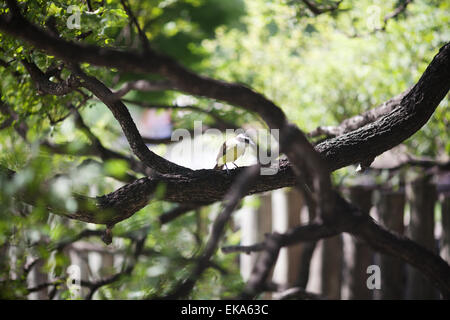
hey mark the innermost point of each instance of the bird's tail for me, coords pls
(218, 167)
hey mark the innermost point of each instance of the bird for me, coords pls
(231, 150)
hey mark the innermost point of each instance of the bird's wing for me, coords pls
(230, 151)
(222, 152)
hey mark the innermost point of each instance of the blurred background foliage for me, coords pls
(320, 69)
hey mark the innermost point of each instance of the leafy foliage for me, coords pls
(321, 69)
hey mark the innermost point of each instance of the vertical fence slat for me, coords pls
(254, 224)
(332, 256)
(360, 255)
(280, 220)
(295, 204)
(390, 209)
(422, 197)
(445, 214)
(37, 277)
(308, 214)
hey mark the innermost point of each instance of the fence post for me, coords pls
(422, 197)
(37, 277)
(286, 208)
(358, 255)
(332, 262)
(254, 224)
(308, 247)
(445, 214)
(390, 209)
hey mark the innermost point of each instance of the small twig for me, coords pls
(89, 5)
(316, 10)
(94, 286)
(133, 19)
(142, 85)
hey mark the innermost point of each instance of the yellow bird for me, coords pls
(231, 150)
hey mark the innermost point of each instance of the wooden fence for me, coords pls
(337, 268)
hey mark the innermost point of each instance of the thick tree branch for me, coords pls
(45, 86)
(202, 187)
(129, 128)
(415, 108)
(360, 120)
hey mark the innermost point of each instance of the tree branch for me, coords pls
(360, 120)
(316, 10)
(415, 108)
(129, 128)
(142, 85)
(45, 86)
(220, 123)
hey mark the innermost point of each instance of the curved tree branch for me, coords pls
(45, 86)
(360, 120)
(129, 128)
(415, 108)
